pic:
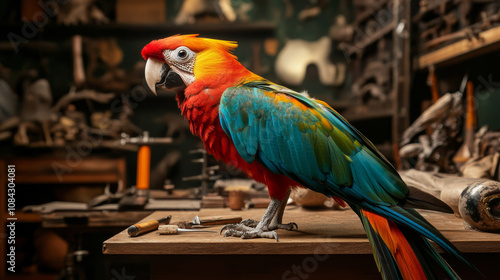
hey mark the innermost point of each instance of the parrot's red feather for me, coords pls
(155, 48)
(205, 123)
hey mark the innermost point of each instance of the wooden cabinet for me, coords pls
(31, 174)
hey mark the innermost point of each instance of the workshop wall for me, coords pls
(265, 27)
(53, 108)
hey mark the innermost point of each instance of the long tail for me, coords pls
(404, 253)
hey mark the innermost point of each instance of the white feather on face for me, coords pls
(182, 60)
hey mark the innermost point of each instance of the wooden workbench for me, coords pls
(328, 244)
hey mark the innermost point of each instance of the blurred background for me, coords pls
(75, 110)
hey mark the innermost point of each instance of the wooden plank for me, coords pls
(320, 232)
(93, 178)
(143, 12)
(60, 170)
(486, 41)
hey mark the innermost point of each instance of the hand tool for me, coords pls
(141, 228)
(210, 220)
(173, 229)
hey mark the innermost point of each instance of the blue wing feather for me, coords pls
(313, 143)
(304, 139)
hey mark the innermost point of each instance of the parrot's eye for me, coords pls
(182, 58)
(182, 54)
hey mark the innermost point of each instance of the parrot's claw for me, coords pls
(251, 234)
(237, 227)
(248, 224)
(289, 226)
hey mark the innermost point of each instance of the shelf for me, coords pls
(52, 31)
(486, 41)
(29, 276)
(366, 112)
(24, 217)
(371, 39)
(369, 12)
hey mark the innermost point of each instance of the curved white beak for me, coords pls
(153, 73)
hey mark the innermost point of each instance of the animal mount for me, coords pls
(192, 8)
(292, 61)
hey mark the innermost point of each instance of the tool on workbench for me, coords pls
(140, 198)
(216, 220)
(138, 229)
(210, 220)
(173, 229)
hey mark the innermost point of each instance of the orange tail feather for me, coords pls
(399, 247)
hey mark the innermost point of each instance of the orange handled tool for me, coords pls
(141, 228)
(143, 165)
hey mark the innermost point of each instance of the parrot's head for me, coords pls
(178, 61)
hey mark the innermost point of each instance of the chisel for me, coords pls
(141, 228)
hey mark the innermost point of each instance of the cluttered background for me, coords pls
(86, 136)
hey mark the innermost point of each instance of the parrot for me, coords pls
(286, 139)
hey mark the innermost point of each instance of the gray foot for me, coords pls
(237, 227)
(253, 233)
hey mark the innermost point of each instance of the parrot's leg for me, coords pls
(271, 220)
(261, 230)
(277, 222)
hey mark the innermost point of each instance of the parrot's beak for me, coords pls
(160, 75)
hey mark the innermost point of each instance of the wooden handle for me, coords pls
(141, 228)
(143, 165)
(471, 107)
(434, 87)
(168, 229)
(218, 220)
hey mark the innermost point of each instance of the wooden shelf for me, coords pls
(487, 41)
(366, 112)
(91, 177)
(52, 31)
(38, 276)
(25, 217)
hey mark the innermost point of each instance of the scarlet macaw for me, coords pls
(284, 139)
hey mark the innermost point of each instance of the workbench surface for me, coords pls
(320, 232)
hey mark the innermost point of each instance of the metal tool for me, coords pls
(141, 197)
(210, 221)
(216, 220)
(141, 228)
(173, 229)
